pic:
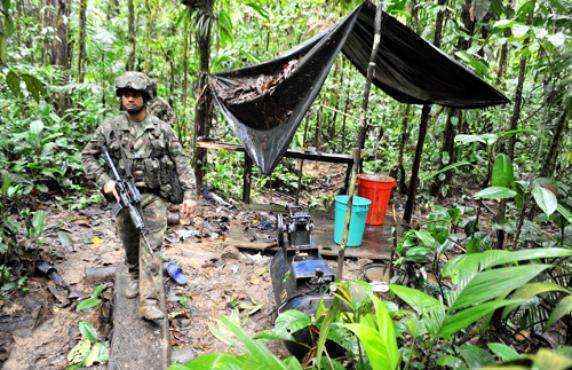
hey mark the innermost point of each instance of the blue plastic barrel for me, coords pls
(357, 222)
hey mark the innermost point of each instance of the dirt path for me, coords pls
(40, 328)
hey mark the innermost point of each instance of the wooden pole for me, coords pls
(247, 179)
(81, 41)
(203, 111)
(425, 113)
(361, 141)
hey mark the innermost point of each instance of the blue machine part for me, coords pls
(308, 268)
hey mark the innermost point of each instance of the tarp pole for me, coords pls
(361, 139)
(425, 114)
(247, 178)
(204, 107)
(364, 123)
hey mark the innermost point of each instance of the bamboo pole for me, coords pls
(361, 141)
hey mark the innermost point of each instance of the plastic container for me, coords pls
(357, 220)
(377, 189)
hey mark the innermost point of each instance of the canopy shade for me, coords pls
(265, 103)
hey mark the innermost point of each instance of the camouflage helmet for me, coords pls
(136, 81)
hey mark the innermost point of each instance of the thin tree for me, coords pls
(357, 155)
(132, 36)
(81, 41)
(202, 12)
(412, 190)
(500, 216)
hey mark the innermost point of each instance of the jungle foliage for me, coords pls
(482, 275)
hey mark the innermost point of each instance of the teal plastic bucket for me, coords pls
(357, 222)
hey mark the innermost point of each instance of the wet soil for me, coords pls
(39, 327)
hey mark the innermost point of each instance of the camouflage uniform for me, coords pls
(162, 110)
(144, 152)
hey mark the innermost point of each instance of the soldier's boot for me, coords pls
(132, 289)
(149, 310)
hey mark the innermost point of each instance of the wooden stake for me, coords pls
(361, 142)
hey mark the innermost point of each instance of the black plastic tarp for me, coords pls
(265, 103)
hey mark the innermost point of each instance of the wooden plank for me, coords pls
(377, 243)
(136, 343)
(290, 153)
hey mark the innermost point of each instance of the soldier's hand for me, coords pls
(109, 188)
(188, 207)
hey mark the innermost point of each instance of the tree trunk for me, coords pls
(399, 170)
(412, 189)
(364, 121)
(413, 182)
(500, 216)
(204, 107)
(81, 42)
(503, 57)
(552, 155)
(518, 93)
(344, 120)
(61, 50)
(449, 148)
(318, 130)
(130, 66)
(186, 41)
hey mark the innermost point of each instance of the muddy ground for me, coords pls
(39, 324)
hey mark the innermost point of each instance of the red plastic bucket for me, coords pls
(377, 189)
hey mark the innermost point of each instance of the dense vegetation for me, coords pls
(488, 254)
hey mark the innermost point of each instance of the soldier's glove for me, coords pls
(109, 190)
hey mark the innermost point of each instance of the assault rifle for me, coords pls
(129, 197)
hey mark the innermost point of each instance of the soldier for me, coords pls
(146, 150)
(159, 107)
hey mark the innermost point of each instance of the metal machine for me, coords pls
(300, 276)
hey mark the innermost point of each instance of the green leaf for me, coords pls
(286, 324)
(545, 199)
(379, 356)
(88, 303)
(547, 359)
(495, 283)
(34, 86)
(36, 126)
(258, 353)
(468, 264)
(564, 307)
(214, 361)
(38, 223)
(565, 212)
(79, 352)
(464, 318)
(520, 30)
(528, 291)
(487, 139)
(503, 352)
(475, 357)
(99, 288)
(425, 238)
(386, 331)
(502, 175)
(13, 82)
(416, 299)
(88, 331)
(99, 354)
(495, 192)
(450, 361)
(503, 24)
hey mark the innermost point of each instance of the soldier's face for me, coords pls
(132, 101)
